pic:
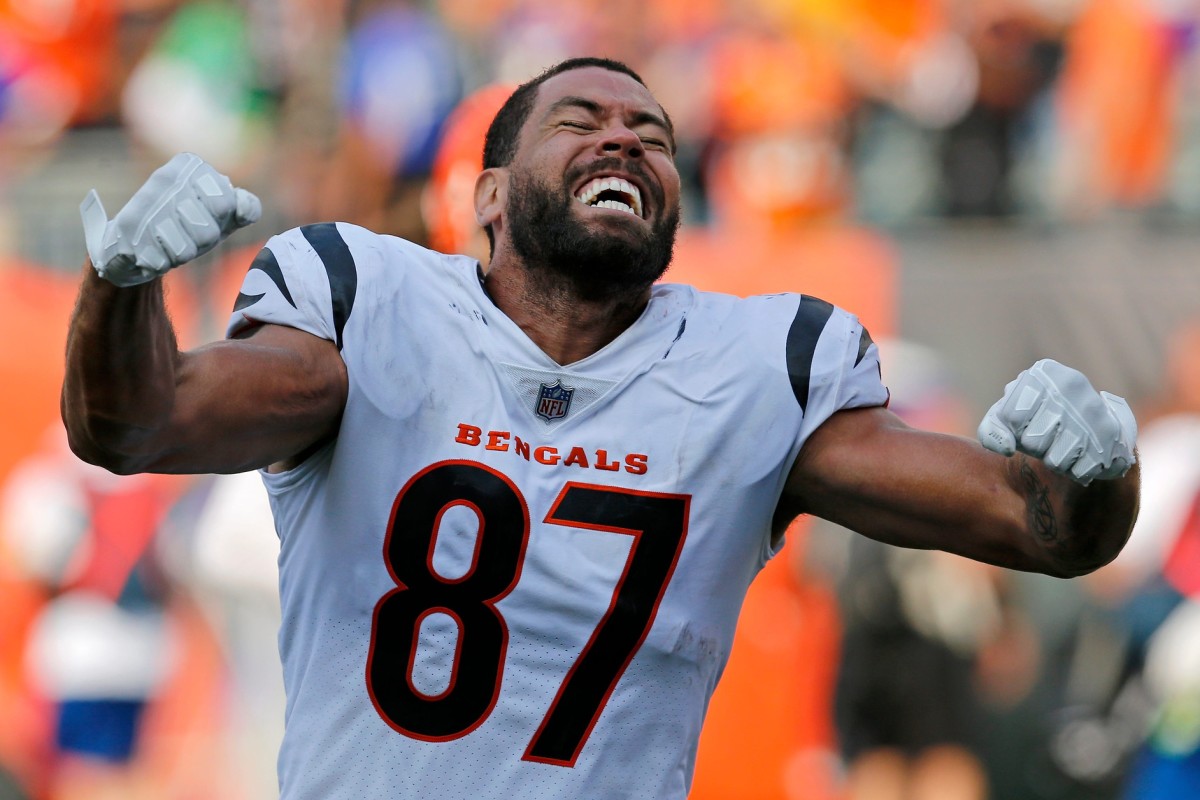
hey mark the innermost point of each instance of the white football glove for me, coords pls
(182, 210)
(1052, 412)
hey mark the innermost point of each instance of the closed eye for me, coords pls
(570, 123)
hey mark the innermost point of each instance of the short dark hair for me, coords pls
(500, 145)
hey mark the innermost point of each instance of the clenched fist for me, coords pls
(1052, 412)
(183, 210)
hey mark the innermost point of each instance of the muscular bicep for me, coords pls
(267, 397)
(867, 470)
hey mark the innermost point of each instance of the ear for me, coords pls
(491, 191)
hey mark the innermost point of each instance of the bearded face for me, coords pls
(598, 258)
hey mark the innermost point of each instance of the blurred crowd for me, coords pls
(137, 653)
(786, 110)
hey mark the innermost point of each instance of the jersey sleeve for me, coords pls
(832, 363)
(303, 278)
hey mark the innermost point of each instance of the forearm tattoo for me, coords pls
(1038, 506)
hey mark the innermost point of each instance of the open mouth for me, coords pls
(615, 193)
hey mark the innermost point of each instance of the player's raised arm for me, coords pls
(1059, 495)
(131, 401)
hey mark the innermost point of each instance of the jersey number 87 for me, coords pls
(658, 524)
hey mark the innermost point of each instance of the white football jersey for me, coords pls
(507, 578)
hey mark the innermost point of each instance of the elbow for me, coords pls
(1099, 526)
(87, 449)
(1096, 554)
(113, 428)
(1073, 530)
(1060, 553)
(1088, 549)
(104, 444)
(1066, 568)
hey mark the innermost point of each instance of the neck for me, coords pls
(565, 326)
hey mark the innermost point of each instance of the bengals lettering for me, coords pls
(503, 441)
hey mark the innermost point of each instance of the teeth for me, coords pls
(619, 206)
(593, 189)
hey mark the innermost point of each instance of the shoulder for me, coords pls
(768, 309)
(825, 352)
(318, 277)
(803, 340)
(800, 321)
(728, 310)
(348, 258)
(342, 246)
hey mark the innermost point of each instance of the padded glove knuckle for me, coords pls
(182, 210)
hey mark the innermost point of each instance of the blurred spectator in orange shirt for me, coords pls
(779, 104)
(1116, 104)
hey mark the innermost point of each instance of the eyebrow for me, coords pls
(592, 107)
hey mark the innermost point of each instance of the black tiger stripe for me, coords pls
(678, 335)
(266, 263)
(864, 342)
(802, 338)
(339, 269)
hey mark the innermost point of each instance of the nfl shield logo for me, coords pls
(554, 400)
